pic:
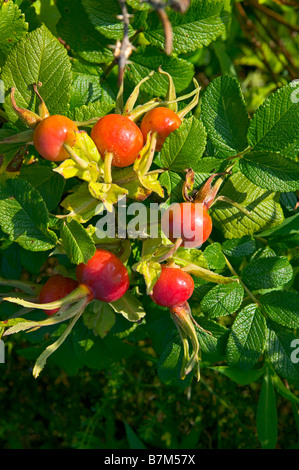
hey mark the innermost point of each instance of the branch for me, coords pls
(124, 48)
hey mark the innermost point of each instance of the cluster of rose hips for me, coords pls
(104, 277)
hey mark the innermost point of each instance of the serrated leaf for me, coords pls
(212, 345)
(49, 184)
(91, 110)
(271, 171)
(202, 23)
(267, 414)
(12, 28)
(103, 16)
(173, 184)
(184, 147)
(267, 273)
(270, 127)
(169, 366)
(147, 59)
(279, 352)
(225, 116)
(239, 247)
(265, 210)
(214, 256)
(76, 241)
(222, 300)
(77, 30)
(282, 307)
(24, 216)
(247, 338)
(40, 57)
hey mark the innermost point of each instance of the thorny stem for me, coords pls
(124, 48)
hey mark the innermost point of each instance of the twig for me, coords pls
(124, 48)
(249, 28)
(276, 16)
(277, 45)
(159, 6)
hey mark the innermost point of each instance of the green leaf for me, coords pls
(225, 116)
(147, 59)
(81, 204)
(12, 28)
(282, 307)
(91, 110)
(77, 30)
(267, 273)
(85, 88)
(241, 377)
(212, 345)
(173, 184)
(76, 242)
(129, 307)
(275, 124)
(283, 390)
(214, 256)
(42, 359)
(24, 216)
(184, 147)
(193, 261)
(222, 300)
(280, 352)
(266, 418)
(265, 210)
(103, 16)
(270, 171)
(99, 317)
(49, 184)
(289, 226)
(170, 361)
(203, 22)
(133, 439)
(239, 247)
(38, 57)
(247, 338)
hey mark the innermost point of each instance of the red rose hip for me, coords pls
(57, 287)
(189, 221)
(118, 135)
(161, 120)
(105, 275)
(50, 135)
(173, 287)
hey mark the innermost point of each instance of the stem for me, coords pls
(124, 49)
(234, 273)
(107, 167)
(167, 30)
(81, 292)
(82, 163)
(172, 250)
(276, 16)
